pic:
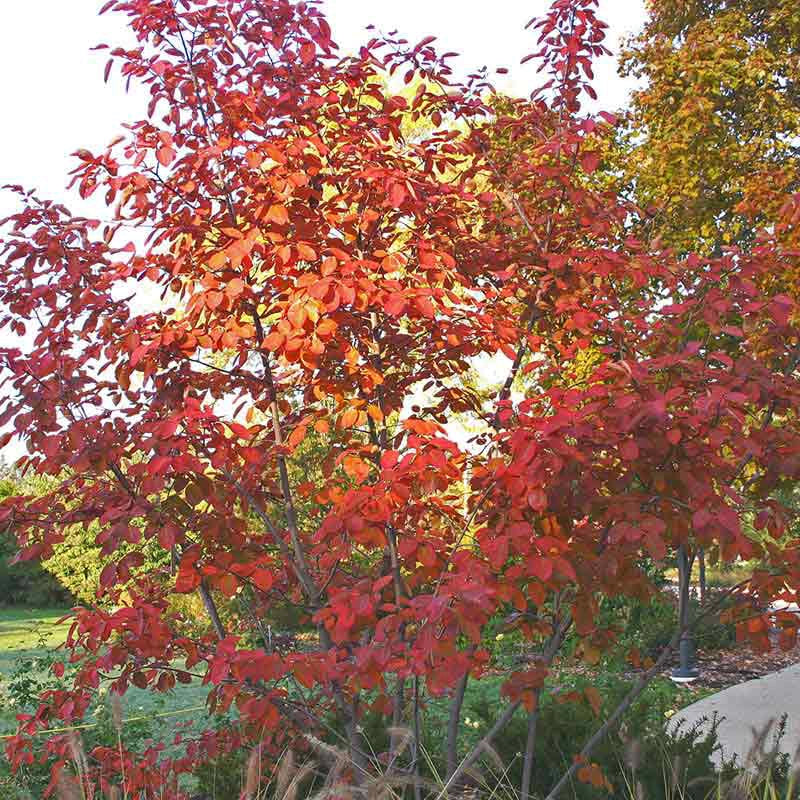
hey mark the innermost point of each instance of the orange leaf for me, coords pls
(218, 260)
(278, 214)
(306, 252)
(234, 287)
(165, 154)
(274, 341)
(297, 436)
(254, 159)
(297, 315)
(349, 418)
(355, 468)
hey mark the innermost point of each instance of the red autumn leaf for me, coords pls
(426, 555)
(673, 436)
(537, 499)
(252, 455)
(629, 450)
(590, 161)
(263, 579)
(307, 53)
(165, 155)
(395, 305)
(227, 584)
(397, 195)
(389, 459)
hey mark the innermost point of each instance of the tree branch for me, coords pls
(211, 608)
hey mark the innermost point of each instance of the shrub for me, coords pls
(649, 626)
(27, 583)
(326, 278)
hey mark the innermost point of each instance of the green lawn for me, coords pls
(26, 634)
(28, 628)
(28, 640)
(29, 643)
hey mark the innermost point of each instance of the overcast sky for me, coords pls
(54, 99)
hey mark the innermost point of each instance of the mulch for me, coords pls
(723, 668)
(719, 669)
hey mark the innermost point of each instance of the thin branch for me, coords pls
(482, 745)
(211, 608)
(553, 646)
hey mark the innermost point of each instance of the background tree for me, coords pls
(710, 145)
(714, 131)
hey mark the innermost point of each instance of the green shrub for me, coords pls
(78, 561)
(223, 776)
(27, 583)
(76, 564)
(563, 727)
(650, 626)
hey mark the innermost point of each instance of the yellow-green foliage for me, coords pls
(714, 131)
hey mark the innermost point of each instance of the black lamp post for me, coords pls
(686, 671)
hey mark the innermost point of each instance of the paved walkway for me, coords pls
(747, 709)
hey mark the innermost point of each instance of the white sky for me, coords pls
(55, 100)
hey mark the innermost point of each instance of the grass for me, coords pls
(25, 628)
(28, 639)
(25, 634)
(29, 643)
(722, 576)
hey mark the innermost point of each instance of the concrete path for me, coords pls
(747, 709)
